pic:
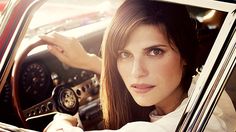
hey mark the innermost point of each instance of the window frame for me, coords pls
(216, 71)
(14, 22)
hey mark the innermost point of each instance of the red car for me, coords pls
(33, 81)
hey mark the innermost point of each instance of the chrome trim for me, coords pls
(216, 86)
(16, 32)
(210, 81)
(204, 98)
(7, 13)
(211, 4)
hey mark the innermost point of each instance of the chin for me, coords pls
(144, 103)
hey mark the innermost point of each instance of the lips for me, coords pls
(142, 88)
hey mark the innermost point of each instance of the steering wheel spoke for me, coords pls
(65, 98)
(87, 90)
(43, 108)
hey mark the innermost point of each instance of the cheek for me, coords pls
(175, 73)
(173, 67)
(169, 70)
(123, 70)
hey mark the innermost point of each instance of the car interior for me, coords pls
(39, 85)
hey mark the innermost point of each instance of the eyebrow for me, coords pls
(155, 46)
(148, 48)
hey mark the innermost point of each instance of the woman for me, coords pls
(147, 67)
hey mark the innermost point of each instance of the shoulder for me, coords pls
(142, 126)
(224, 115)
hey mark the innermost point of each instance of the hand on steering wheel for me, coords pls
(71, 52)
(65, 98)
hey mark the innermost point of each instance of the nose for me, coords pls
(139, 68)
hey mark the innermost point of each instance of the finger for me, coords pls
(59, 36)
(47, 39)
(63, 39)
(66, 41)
(61, 56)
(56, 51)
(51, 40)
(55, 48)
(46, 128)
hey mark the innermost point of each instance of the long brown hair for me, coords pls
(118, 105)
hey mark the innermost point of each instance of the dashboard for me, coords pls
(41, 74)
(38, 78)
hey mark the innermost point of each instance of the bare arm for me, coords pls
(70, 51)
(67, 123)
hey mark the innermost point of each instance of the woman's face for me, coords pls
(151, 68)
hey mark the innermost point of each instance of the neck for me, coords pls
(171, 102)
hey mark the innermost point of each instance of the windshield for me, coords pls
(61, 15)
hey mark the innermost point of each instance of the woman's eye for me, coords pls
(124, 54)
(155, 52)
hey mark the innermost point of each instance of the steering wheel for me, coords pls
(64, 98)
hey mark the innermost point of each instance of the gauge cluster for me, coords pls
(35, 81)
(41, 73)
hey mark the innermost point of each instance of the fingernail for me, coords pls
(49, 47)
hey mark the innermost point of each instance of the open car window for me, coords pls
(215, 70)
(86, 20)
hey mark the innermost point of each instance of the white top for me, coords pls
(169, 122)
(223, 119)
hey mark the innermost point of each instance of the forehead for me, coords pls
(145, 35)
